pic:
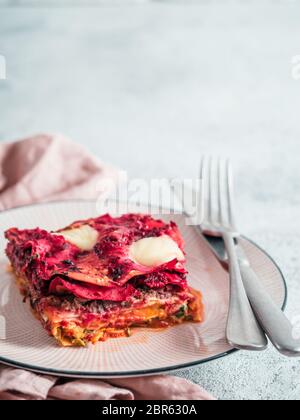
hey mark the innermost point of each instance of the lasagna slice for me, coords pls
(101, 277)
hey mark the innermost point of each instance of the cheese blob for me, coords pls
(84, 237)
(152, 252)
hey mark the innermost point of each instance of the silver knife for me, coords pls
(274, 322)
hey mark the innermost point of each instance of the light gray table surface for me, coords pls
(150, 86)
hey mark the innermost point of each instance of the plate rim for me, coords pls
(136, 373)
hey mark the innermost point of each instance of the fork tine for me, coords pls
(202, 192)
(230, 195)
(205, 188)
(212, 190)
(225, 206)
(215, 192)
(221, 204)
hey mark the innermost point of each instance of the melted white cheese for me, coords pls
(85, 237)
(152, 252)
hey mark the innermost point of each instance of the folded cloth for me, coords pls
(46, 168)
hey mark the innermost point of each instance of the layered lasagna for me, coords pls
(102, 277)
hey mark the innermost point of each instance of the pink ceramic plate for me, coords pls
(146, 352)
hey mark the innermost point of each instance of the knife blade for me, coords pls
(272, 319)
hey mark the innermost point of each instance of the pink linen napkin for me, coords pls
(45, 168)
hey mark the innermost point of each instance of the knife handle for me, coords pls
(276, 325)
(243, 331)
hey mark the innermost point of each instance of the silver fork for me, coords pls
(243, 330)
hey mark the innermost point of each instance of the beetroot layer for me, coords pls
(52, 264)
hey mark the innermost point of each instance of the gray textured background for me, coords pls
(150, 86)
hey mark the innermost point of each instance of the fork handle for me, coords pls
(277, 326)
(243, 330)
